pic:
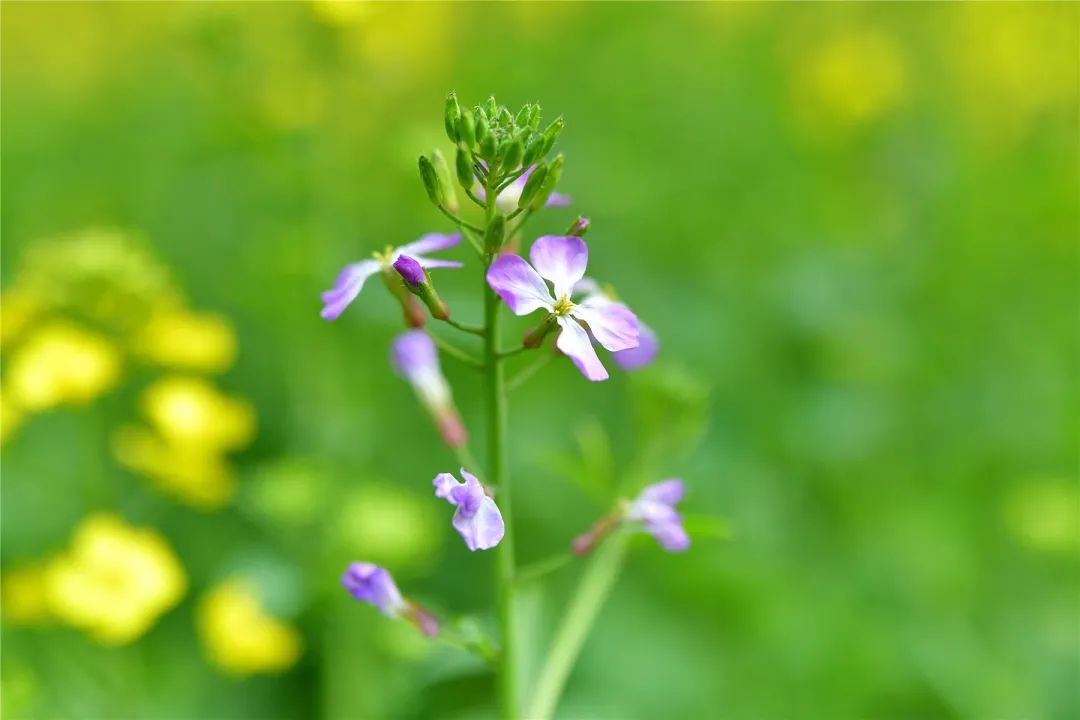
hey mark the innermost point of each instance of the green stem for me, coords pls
(595, 586)
(495, 386)
(455, 352)
(464, 327)
(529, 370)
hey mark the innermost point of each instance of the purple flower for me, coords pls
(351, 280)
(655, 509)
(410, 270)
(508, 198)
(477, 519)
(373, 584)
(648, 345)
(416, 359)
(562, 260)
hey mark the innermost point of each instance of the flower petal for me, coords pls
(484, 529)
(372, 584)
(429, 263)
(557, 199)
(668, 492)
(638, 357)
(468, 496)
(561, 259)
(574, 343)
(414, 355)
(612, 324)
(671, 536)
(444, 484)
(518, 285)
(348, 285)
(429, 243)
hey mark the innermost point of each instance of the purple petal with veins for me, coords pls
(518, 285)
(348, 285)
(561, 259)
(612, 324)
(645, 352)
(372, 584)
(431, 242)
(477, 518)
(574, 342)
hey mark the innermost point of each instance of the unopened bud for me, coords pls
(532, 150)
(552, 179)
(446, 181)
(514, 154)
(534, 338)
(418, 282)
(522, 119)
(482, 128)
(464, 168)
(466, 129)
(453, 115)
(583, 544)
(505, 118)
(411, 308)
(489, 149)
(579, 227)
(495, 235)
(551, 134)
(491, 108)
(533, 185)
(431, 180)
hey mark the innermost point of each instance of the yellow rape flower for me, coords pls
(240, 637)
(25, 595)
(186, 340)
(16, 311)
(61, 364)
(115, 581)
(191, 412)
(852, 78)
(191, 474)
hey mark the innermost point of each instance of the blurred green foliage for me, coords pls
(853, 227)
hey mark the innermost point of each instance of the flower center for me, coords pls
(386, 256)
(563, 306)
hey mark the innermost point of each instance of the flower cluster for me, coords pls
(501, 165)
(240, 636)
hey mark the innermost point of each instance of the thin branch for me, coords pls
(456, 352)
(473, 329)
(529, 370)
(537, 570)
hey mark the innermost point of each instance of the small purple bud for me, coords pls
(410, 270)
(655, 509)
(372, 584)
(579, 227)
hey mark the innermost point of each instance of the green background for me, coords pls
(867, 310)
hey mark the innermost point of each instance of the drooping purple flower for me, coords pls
(351, 280)
(508, 198)
(562, 260)
(410, 270)
(655, 509)
(415, 358)
(372, 584)
(477, 519)
(648, 345)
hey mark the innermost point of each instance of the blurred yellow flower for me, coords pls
(340, 12)
(115, 581)
(189, 341)
(25, 595)
(16, 311)
(851, 79)
(191, 412)
(240, 637)
(390, 526)
(193, 475)
(59, 364)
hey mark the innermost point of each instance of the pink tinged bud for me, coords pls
(415, 358)
(424, 621)
(579, 227)
(410, 271)
(372, 584)
(584, 544)
(451, 428)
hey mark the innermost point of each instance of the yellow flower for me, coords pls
(115, 581)
(240, 637)
(186, 340)
(191, 412)
(60, 364)
(16, 311)
(851, 79)
(191, 474)
(25, 596)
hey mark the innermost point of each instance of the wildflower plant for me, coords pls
(503, 165)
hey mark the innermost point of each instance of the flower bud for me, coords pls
(463, 165)
(532, 150)
(522, 119)
(466, 129)
(453, 114)
(534, 338)
(412, 310)
(491, 108)
(505, 118)
(418, 282)
(431, 180)
(579, 227)
(553, 174)
(489, 148)
(482, 128)
(446, 182)
(533, 185)
(514, 154)
(495, 235)
(551, 134)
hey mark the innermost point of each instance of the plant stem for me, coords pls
(595, 586)
(496, 425)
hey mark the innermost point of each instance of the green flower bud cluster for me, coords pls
(503, 140)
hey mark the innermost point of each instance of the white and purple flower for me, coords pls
(648, 345)
(415, 358)
(351, 280)
(655, 509)
(477, 519)
(508, 198)
(374, 585)
(562, 260)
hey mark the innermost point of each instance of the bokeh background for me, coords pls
(853, 227)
